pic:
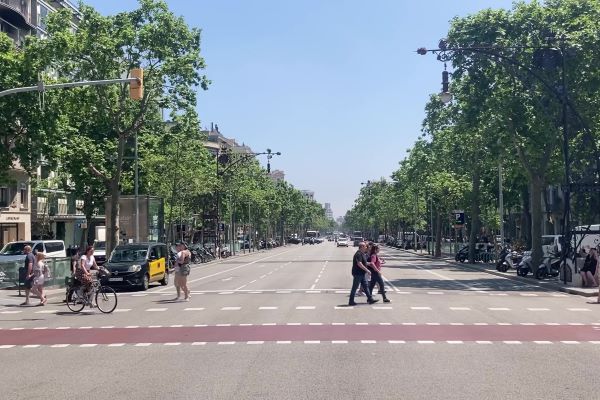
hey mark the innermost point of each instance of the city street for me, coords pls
(275, 325)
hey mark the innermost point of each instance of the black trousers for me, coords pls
(376, 278)
(359, 279)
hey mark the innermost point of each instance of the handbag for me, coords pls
(184, 269)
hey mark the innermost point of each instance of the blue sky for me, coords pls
(334, 85)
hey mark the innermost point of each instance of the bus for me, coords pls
(311, 237)
(356, 234)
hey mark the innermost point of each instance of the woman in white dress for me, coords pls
(37, 287)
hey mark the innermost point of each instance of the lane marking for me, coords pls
(396, 341)
(156, 309)
(60, 346)
(268, 308)
(305, 308)
(579, 309)
(460, 308)
(420, 308)
(498, 309)
(231, 308)
(194, 309)
(538, 309)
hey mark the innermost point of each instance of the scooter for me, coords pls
(508, 259)
(550, 267)
(525, 267)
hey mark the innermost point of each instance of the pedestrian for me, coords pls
(39, 273)
(360, 291)
(588, 272)
(28, 265)
(376, 277)
(182, 271)
(359, 271)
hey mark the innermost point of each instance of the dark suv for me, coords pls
(138, 265)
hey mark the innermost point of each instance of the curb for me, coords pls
(550, 286)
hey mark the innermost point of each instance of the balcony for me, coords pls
(17, 13)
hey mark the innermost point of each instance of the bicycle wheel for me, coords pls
(74, 302)
(106, 299)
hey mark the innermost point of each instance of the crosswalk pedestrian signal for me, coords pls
(136, 86)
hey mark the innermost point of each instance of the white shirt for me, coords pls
(87, 263)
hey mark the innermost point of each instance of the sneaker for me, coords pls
(372, 301)
(351, 303)
(386, 300)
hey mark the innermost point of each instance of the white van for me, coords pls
(13, 251)
(587, 240)
(551, 245)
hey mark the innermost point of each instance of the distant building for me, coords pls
(309, 194)
(277, 175)
(328, 211)
(215, 141)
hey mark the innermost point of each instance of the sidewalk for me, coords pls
(550, 284)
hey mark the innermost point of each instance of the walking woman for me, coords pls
(182, 271)
(375, 268)
(37, 287)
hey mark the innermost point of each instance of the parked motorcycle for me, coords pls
(550, 267)
(508, 259)
(524, 267)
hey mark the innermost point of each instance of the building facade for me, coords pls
(328, 211)
(277, 175)
(15, 206)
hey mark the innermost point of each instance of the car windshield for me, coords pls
(100, 245)
(13, 249)
(547, 241)
(128, 254)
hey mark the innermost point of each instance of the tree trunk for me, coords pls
(438, 235)
(536, 186)
(113, 231)
(475, 211)
(526, 216)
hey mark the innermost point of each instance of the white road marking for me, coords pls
(481, 323)
(31, 346)
(40, 328)
(538, 309)
(569, 342)
(385, 323)
(344, 307)
(435, 292)
(460, 308)
(6, 346)
(368, 341)
(284, 342)
(198, 343)
(454, 341)
(246, 324)
(17, 329)
(594, 342)
(382, 308)
(457, 323)
(223, 325)
(420, 308)
(425, 341)
(409, 323)
(268, 308)
(122, 310)
(139, 295)
(338, 323)
(528, 323)
(312, 341)
(132, 327)
(255, 342)
(339, 342)
(226, 292)
(315, 323)
(225, 343)
(579, 309)
(10, 312)
(194, 309)
(432, 323)
(528, 294)
(270, 324)
(483, 342)
(542, 342)
(396, 341)
(156, 309)
(361, 323)
(551, 323)
(47, 312)
(116, 345)
(294, 323)
(504, 323)
(142, 344)
(155, 326)
(62, 345)
(498, 309)
(63, 327)
(512, 342)
(231, 308)
(305, 308)
(172, 343)
(88, 345)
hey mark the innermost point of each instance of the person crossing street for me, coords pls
(359, 271)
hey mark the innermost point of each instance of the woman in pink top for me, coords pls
(376, 278)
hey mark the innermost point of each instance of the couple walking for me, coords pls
(366, 261)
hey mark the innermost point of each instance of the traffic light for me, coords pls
(136, 87)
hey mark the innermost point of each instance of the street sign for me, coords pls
(458, 219)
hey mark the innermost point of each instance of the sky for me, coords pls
(335, 86)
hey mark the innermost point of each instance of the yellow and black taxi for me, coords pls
(137, 265)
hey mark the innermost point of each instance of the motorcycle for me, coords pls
(550, 267)
(524, 267)
(508, 259)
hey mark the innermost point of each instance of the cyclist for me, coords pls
(87, 262)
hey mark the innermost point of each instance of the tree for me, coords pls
(150, 37)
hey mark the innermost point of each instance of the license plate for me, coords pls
(115, 279)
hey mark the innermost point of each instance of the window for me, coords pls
(38, 247)
(3, 197)
(53, 247)
(23, 193)
(154, 253)
(43, 12)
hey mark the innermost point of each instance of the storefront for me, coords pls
(14, 226)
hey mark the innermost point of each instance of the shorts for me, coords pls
(28, 283)
(184, 270)
(589, 269)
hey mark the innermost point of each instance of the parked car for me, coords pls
(138, 265)
(13, 251)
(342, 242)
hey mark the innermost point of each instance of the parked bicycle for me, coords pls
(103, 297)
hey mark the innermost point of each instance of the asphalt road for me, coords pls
(276, 325)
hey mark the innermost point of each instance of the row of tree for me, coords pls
(88, 134)
(525, 86)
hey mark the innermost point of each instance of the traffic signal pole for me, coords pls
(40, 87)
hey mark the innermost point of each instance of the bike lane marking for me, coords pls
(512, 334)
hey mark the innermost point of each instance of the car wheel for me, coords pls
(145, 282)
(165, 280)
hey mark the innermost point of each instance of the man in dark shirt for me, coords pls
(359, 271)
(28, 265)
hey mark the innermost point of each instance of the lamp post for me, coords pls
(544, 56)
(224, 159)
(367, 185)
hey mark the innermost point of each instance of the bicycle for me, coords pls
(105, 298)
